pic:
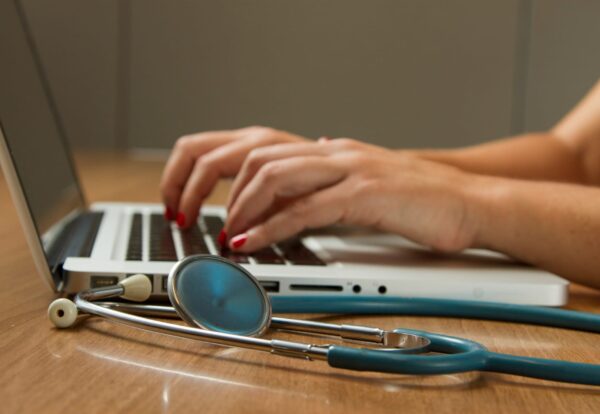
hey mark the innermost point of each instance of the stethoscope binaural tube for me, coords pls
(227, 294)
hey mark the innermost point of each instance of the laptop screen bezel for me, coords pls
(15, 184)
(25, 217)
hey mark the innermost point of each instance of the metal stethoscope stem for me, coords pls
(129, 314)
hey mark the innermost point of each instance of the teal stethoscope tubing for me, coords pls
(460, 355)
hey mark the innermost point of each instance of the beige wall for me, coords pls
(565, 58)
(400, 73)
(139, 73)
(77, 41)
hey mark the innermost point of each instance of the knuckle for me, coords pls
(252, 128)
(355, 159)
(256, 158)
(347, 143)
(270, 172)
(183, 143)
(300, 208)
(264, 135)
(368, 187)
(264, 130)
(206, 163)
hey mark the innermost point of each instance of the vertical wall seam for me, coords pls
(123, 74)
(522, 66)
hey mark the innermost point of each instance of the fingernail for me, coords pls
(222, 239)
(324, 139)
(239, 240)
(180, 219)
(169, 215)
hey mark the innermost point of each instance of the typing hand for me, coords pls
(282, 190)
(198, 161)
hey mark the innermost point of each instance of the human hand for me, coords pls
(285, 189)
(199, 160)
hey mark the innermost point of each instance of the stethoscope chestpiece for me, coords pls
(219, 295)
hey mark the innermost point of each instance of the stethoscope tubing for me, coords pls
(456, 354)
(462, 355)
(470, 309)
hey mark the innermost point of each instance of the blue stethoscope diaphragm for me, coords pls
(216, 294)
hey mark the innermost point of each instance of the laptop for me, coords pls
(78, 246)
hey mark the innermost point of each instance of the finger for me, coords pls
(261, 156)
(224, 161)
(287, 178)
(182, 159)
(316, 210)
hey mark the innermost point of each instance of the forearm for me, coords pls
(553, 226)
(538, 156)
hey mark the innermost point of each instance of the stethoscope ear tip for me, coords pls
(136, 288)
(62, 313)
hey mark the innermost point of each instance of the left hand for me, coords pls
(284, 189)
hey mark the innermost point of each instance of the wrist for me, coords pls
(489, 209)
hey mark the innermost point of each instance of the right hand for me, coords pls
(198, 161)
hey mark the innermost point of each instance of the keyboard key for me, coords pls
(162, 248)
(267, 256)
(234, 256)
(295, 251)
(134, 248)
(193, 241)
(214, 225)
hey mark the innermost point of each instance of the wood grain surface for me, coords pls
(101, 367)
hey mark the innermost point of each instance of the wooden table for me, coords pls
(103, 367)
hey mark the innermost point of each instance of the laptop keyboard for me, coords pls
(193, 241)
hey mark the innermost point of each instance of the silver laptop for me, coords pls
(77, 246)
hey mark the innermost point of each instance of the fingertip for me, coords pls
(222, 238)
(169, 214)
(237, 242)
(181, 221)
(187, 220)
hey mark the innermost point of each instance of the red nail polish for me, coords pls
(180, 219)
(239, 240)
(169, 215)
(222, 239)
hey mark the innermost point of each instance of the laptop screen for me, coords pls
(31, 127)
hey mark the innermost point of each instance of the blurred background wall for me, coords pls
(400, 73)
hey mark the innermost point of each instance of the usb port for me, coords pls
(103, 281)
(269, 286)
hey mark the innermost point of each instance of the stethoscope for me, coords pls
(229, 307)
